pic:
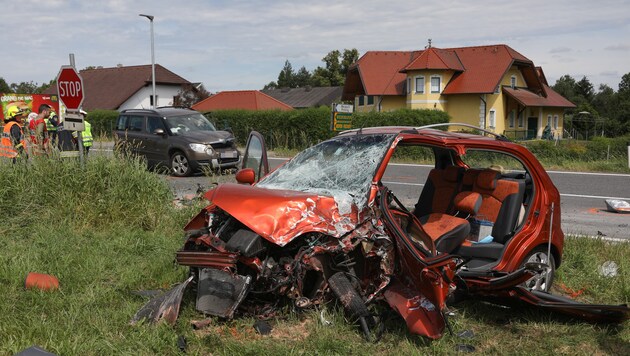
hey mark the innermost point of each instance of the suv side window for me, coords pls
(122, 123)
(154, 123)
(136, 123)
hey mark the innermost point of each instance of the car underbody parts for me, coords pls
(219, 293)
(165, 306)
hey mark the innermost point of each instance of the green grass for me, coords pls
(111, 229)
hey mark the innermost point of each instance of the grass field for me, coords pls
(111, 229)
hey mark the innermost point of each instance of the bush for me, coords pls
(298, 129)
(58, 192)
(103, 122)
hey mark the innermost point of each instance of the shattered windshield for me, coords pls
(342, 167)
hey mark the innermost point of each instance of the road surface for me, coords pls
(582, 195)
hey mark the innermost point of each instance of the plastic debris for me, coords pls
(262, 327)
(608, 269)
(618, 206)
(41, 281)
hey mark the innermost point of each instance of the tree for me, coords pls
(25, 88)
(565, 86)
(584, 88)
(332, 74)
(4, 87)
(190, 95)
(286, 78)
(302, 78)
(624, 85)
(350, 56)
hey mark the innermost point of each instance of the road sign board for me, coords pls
(70, 87)
(73, 121)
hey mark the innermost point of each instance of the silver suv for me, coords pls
(181, 138)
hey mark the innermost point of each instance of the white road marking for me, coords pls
(591, 196)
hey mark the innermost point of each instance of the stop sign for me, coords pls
(70, 87)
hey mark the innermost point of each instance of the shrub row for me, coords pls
(298, 129)
(102, 121)
(597, 149)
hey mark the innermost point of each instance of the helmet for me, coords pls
(14, 111)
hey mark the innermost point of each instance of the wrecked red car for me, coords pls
(326, 226)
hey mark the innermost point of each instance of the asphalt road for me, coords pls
(582, 195)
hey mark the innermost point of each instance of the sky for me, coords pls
(243, 44)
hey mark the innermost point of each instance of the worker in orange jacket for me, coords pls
(12, 144)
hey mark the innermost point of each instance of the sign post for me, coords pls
(341, 117)
(70, 90)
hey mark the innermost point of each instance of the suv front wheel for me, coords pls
(180, 166)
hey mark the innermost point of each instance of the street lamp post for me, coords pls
(154, 101)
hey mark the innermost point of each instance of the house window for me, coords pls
(549, 120)
(511, 118)
(492, 118)
(151, 101)
(555, 122)
(521, 119)
(420, 85)
(408, 85)
(361, 100)
(513, 81)
(435, 84)
(370, 100)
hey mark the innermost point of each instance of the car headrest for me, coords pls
(468, 202)
(487, 179)
(452, 173)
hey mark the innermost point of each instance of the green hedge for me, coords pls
(597, 149)
(298, 129)
(102, 121)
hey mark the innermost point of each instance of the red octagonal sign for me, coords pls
(70, 87)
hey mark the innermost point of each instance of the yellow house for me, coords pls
(492, 87)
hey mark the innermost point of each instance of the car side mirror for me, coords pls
(246, 176)
(159, 132)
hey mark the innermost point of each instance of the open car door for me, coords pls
(255, 163)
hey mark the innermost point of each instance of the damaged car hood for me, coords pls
(281, 215)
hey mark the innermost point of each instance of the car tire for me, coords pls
(180, 165)
(543, 281)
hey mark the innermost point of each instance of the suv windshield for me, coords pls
(342, 167)
(189, 122)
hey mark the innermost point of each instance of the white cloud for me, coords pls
(243, 44)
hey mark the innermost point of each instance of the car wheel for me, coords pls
(180, 166)
(541, 281)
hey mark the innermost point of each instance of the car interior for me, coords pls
(469, 210)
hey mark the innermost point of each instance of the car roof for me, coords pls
(430, 131)
(164, 111)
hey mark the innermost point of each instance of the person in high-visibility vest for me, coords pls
(86, 136)
(52, 121)
(12, 144)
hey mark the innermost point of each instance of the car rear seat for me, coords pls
(439, 191)
(448, 231)
(501, 204)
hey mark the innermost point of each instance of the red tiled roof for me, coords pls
(528, 98)
(108, 88)
(485, 67)
(379, 72)
(434, 58)
(241, 99)
(478, 69)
